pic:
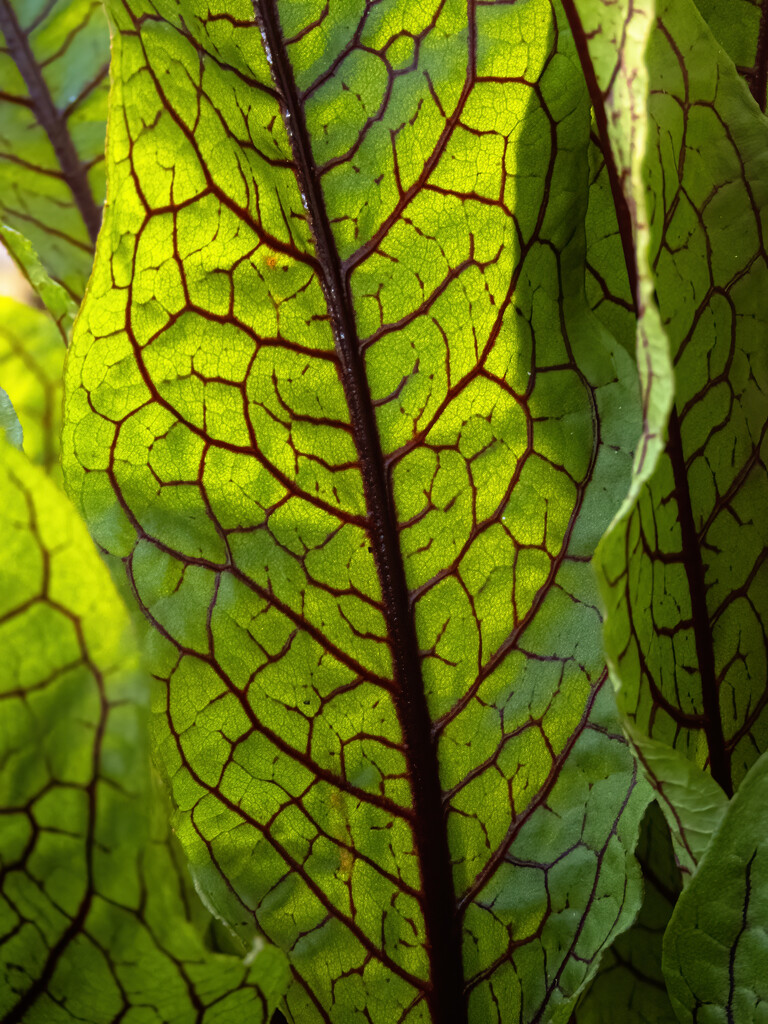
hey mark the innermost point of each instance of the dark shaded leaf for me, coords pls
(630, 986)
(716, 945)
(741, 27)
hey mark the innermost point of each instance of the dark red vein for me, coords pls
(597, 98)
(17, 1014)
(691, 551)
(51, 119)
(444, 996)
(730, 1006)
(702, 629)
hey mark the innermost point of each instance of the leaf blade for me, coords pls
(258, 511)
(94, 920)
(630, 984)
(52, 113)
(715, 943)
(686, 674)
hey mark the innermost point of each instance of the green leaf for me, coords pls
(690, 799)
(54, 61)
(337, 402)
(31, 370)
(55, 298)
(716, 945)
(630, 986)
(741, 28)
(9, 421)
(607, 285)
(685, 564)
(93, 919)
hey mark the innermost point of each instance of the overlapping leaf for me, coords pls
(93, 918)
(54, 59)
(53, 296)
(686, 566)
(692, 802)
(31, 372)
(741, 27)
(630, 986)
(338, 403)
(608, 289)
(10, 426)
(716, 945)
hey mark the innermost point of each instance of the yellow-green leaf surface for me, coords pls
(52, 295)
(94, 925)
(686, 568)
(337, 401)
(54, 60)
(716, 945)
(31, 371)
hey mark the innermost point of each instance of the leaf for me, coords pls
(607, 285)
(630, 985)
(31, 371)
(716, 945)
(337, 402)
(685, 563)
(54, 61)
(93, 922)
(741, 28)
(55, 298)
(10, 428)
(690, 799)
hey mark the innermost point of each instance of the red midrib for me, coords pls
(443, 932)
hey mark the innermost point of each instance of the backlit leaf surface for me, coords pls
(53, 296)
(93, 914)
(54, 60)
(337, 401)
(607, 284)
(31, 371)
(687, 563)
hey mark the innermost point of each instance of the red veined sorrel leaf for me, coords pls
(630, 984)
(94, 921)
(685, 565)
(715, 944)
(54, 59)
(338, 403)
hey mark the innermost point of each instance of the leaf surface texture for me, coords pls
(685, 565)
(95, 922)
(716, 945)
(54, 62)
(339, 404)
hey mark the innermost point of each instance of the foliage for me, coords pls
(418, 404)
